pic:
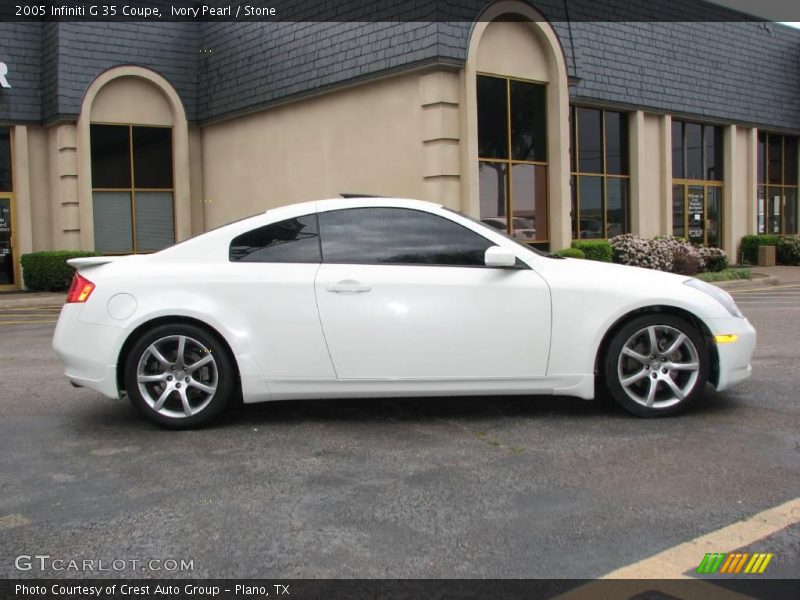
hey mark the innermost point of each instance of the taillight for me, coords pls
(80, 290)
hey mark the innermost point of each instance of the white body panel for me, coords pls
(390, 330)
(434, 322)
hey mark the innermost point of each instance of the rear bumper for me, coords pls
(88, 352)
(734, 357)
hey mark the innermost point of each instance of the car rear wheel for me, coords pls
(179, 375)
(656, 365)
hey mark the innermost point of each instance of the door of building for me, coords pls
(7, 254)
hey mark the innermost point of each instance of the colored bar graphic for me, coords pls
(734, 563)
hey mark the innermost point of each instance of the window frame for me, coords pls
(765, 185)
(10, 195)
(133, 189)
(686, 182)
(519, 264)
(604, 175)
(510, 161)
(314, 216)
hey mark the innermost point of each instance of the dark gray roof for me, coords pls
(732, 71)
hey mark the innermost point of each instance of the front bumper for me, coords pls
(734, 357)
(88, 352)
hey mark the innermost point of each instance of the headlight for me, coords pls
(717, 294)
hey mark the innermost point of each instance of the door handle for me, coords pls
(348, 286)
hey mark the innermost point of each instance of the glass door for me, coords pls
(7, 279)
(696, 213)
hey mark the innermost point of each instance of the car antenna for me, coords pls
(352, 195)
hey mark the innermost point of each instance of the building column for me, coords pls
(666, 175)
(636, 142)
(731, 196)
(751, 193)
(23, 219)
(67, 234)
(441, 158)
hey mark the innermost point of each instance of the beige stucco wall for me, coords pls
(647, 174)
(131, 100)
(740, 179)
(366, 139)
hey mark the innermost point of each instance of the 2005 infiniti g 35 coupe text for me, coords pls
(387, 297)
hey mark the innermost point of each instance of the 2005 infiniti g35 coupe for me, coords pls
(387, 297)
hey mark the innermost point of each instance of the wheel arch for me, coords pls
(163, 320)
(713, 371)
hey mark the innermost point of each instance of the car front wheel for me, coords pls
(179, 376)
(656, 365)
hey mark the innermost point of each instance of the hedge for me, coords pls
(570, 253)
(49, 271)
(748, 249)
(599, 250)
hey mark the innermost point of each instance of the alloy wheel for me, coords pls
(177, 376)
(658, 366)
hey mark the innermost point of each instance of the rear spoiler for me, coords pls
(96, 261)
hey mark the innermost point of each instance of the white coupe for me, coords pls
(381, 297)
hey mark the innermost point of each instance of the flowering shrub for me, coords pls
(630, 249)
(666, 253)
(788, 250)
(714, 258)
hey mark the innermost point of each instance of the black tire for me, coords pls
(669, 398)
(185, 404)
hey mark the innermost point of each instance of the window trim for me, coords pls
(510, 161)
(133, 189)
(766, 185)
(604, 175)
(314, 215)
(521, 265)
(12, 199)
(685, 184)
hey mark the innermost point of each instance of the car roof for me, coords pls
(351, 202)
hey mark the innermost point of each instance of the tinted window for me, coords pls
(492, 118)
(111, 152)
(5, 160)
(291, 241)
(152, 157)
(528, 121)
(590, 145)
(398, 236)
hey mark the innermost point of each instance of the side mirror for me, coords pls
(499, 257)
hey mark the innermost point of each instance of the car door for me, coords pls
(270, 286)
(404, 294)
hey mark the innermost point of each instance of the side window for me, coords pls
(291, 241)
(398, 236)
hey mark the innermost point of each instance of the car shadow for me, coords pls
(123, 415)
(418, 409)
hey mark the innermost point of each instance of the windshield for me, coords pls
(501, 232)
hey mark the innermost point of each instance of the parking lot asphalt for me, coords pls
(449, 487)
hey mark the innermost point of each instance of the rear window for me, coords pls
(291, 241)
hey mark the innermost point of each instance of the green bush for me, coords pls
(788, 250)
(748, 249)
(570, 253)
(49, 271)
(599, 250)
(726, 275)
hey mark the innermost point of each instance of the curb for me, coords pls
(743, 284)
(32, 300)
